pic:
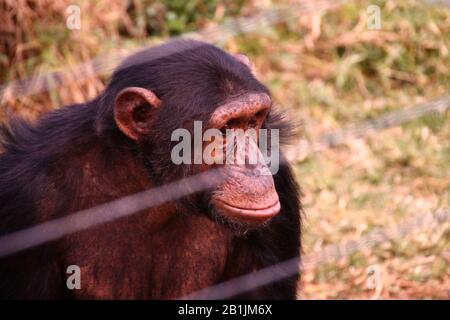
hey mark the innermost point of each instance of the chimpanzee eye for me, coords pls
(224, 128)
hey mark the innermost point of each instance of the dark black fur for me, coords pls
(192, 79)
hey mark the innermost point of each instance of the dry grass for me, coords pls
(332, 71)
(329, 70)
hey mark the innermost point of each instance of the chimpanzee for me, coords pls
(120, 143)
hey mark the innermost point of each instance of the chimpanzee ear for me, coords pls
(242, 58)
(134, 109)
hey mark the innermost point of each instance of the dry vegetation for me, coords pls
(329, 70)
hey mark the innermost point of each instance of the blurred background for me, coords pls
(369, 87)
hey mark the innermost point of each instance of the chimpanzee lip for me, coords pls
(251, 214)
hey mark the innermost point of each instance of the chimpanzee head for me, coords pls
(184, 85)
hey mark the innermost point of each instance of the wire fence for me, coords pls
(119, 208)
(82, 220)
(378, 236)
(104, 64)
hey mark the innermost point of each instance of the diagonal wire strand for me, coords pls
(131, 204)
(82, 220)
(291, 267)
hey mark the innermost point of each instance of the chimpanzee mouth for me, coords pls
(247, 215)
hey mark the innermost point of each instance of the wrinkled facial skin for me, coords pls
(248, 195)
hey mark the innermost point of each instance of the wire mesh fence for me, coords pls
(364, 128)
(134, 203)
(107, 212)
